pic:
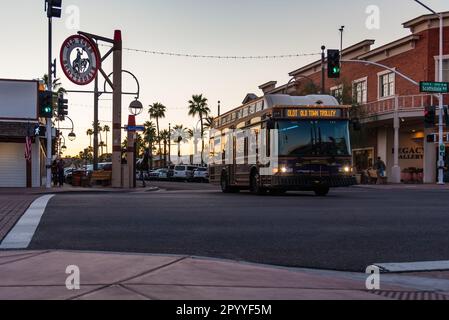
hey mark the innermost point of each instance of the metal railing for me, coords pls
(406, 103)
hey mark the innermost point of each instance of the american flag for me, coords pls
(28, 148)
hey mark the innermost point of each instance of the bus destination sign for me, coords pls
(313, 113)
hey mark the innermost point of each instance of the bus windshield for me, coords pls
(313, 138)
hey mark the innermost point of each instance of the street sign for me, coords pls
(434, 87)
(135, 128)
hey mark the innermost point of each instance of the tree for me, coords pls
(165, 137)
(102, 145)
(198, 107)
(107, 130)
(157, 111)
(150, 137)
(209, 123)
(90, 133)
(56, 84)
(180, 135)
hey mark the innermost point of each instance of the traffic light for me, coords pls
(53, 8)
(62, 107)
(430, 116)
(46, 104)
(333, 64)
(40, 131)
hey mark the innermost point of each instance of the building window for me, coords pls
(446, 70)
(337, 92)
(386, 85)
(360, 91)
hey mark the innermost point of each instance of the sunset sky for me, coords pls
(210, 27)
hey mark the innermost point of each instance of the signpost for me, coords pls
(434, 87)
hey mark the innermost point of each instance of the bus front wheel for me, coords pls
(255, 187)
(225, 187)
(322, 191)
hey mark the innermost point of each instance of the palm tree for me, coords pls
(57, 86)
(90, 133)
(165, 137)
(209, 123)
(157, 111)
(150, 137)
(107, 129)
(180, 135)
(102, 145)
(99, 129)
(198, 106)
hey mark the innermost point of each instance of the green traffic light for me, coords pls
(336, 70)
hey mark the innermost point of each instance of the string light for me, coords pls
(201, 56)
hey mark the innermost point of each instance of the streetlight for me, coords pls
(136, 107)
(441, 113)
(72, 136)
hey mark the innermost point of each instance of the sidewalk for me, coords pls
(109, 276)
(70, 189)
(433, 187)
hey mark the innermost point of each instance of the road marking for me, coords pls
(21, 235)
(414, 266)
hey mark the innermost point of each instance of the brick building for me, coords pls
(380, 96)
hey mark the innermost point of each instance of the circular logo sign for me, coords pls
(80, 60)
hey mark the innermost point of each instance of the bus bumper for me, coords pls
(311, 182)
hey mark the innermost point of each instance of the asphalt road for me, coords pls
(348, 230)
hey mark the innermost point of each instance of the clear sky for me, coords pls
(245, 27)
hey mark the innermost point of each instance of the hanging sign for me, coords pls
(80, 60)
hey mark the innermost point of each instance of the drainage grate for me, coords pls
(411, 295)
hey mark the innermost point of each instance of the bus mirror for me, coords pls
(356, 125)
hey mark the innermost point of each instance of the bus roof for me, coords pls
(274, 100)
(271, 101)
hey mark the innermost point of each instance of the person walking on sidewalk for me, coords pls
(144, 167)
(381, 167)
(61, 172)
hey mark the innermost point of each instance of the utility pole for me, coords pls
(53, 9)
(49, 88)
(342, 29)
(117, 113)
(323, 71)
(96, 144)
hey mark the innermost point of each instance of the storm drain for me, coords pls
(411, 296)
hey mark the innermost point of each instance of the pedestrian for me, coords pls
(54, 172)
(381, 167)
(144, 167)
(61, 173)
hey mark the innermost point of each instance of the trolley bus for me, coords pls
(281, 143)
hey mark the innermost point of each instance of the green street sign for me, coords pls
(434, 87)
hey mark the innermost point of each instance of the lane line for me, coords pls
(414, 266)
(21, 235)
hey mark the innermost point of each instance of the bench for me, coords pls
(105, 177)
(375, 179)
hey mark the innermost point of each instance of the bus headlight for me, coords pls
(347, 169)
(286, 170)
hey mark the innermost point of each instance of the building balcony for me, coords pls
(408, 106)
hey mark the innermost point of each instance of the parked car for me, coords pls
(160, 174)
(201, 175)
(184, 173)
(171, 172)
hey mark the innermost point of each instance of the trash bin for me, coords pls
(77, 177)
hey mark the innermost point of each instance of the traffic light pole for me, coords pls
(49, 88)
(441, 145)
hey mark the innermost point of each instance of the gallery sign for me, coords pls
(80, 60)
